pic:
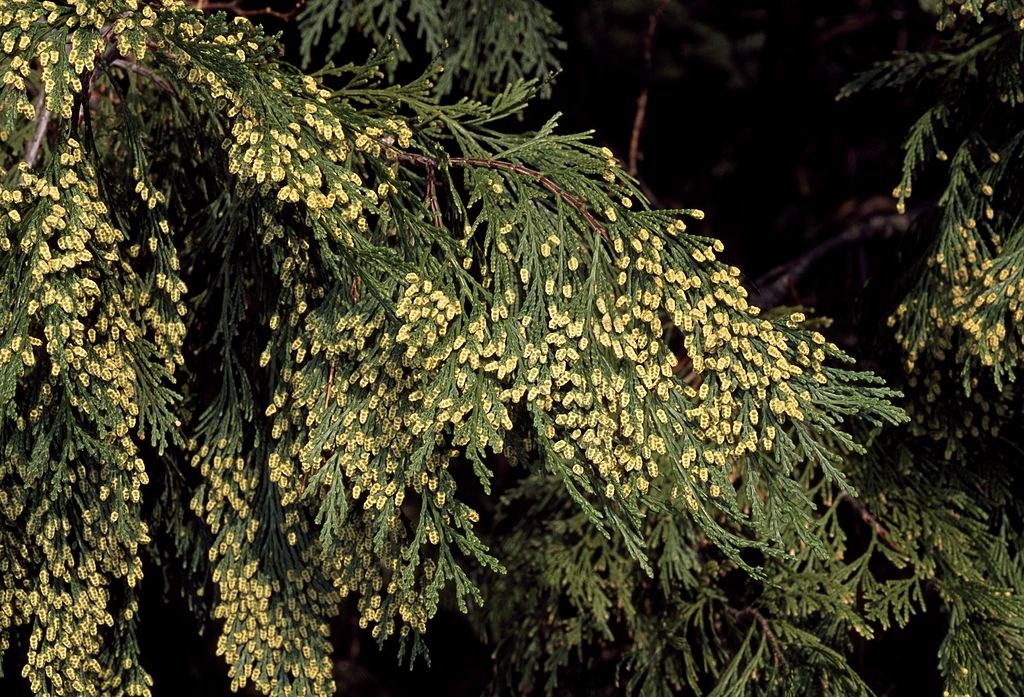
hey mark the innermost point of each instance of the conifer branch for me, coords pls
(414, 393)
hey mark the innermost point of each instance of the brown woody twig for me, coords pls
(43, 114)
(144, 72)
(633, 166)
(327, 402)
(579, 205)
(762, 622)
(235, 7)
(432, 196)
(773, 286)
(868, 518)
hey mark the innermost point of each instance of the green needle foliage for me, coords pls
(484, 45)
(282, 330)
(950, 493)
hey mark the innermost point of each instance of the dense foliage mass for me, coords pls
(341, 334)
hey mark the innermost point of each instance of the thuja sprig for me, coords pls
(441, 289)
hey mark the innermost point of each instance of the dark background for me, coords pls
(741, 121)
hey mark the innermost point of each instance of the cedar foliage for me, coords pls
(318, 335)
(958, 328)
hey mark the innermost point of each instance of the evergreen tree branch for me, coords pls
(379, 405)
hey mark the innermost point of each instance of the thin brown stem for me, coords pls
(774, 286)
(327, 402)
(579, 205)
(42, 125)
(432, 196)
(540, 178)
(633, 164)
(869, 519)
(146, 73)
(236, 8)
(762, 622)
(640, 117)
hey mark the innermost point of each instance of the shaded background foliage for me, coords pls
(741, 119)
